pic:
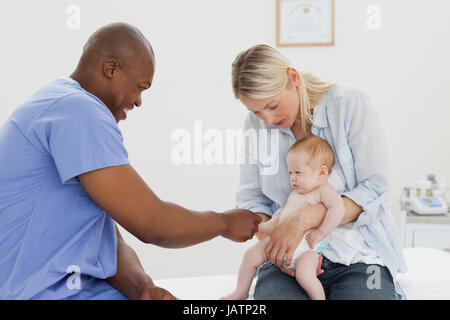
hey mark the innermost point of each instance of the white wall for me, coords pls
(404, 67)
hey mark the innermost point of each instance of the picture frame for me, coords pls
(305, 23)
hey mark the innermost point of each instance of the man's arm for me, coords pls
(122, 193)
(131, 279)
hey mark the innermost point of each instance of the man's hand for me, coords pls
(152, 292)
(264, 217)
(241, 224)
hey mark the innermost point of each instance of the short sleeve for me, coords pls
(81, 135)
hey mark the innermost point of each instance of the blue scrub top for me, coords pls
(49, 226)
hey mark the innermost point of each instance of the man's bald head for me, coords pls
(122, 41)
(117, 65)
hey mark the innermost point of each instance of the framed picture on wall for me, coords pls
(305, 23)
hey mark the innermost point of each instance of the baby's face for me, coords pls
(303, 177)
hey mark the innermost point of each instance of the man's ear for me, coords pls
(110, 67)
(323, 171)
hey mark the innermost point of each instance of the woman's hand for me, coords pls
(284, 239)
(286, 236)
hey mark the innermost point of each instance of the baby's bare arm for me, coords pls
(335, 209)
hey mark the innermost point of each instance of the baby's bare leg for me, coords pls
(305, 273)
(253, 258)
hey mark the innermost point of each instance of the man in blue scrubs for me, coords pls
(65, 179)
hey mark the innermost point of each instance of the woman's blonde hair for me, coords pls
(261, 72)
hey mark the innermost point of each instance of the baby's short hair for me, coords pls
(318, 149)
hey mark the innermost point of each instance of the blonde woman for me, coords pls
(364, 255)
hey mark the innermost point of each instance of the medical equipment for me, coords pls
(426, 198)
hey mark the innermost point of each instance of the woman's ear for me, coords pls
(294, 76)
(323, 171)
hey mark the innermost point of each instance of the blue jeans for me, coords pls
(357, 281)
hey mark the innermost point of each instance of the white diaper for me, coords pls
(301, 248)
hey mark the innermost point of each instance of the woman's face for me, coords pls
(280, 110)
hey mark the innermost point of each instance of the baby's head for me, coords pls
(310, 161)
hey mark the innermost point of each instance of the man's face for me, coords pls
(126, 87)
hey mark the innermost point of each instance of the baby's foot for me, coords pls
(235, 296)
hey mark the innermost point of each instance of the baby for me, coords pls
(310, 161)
